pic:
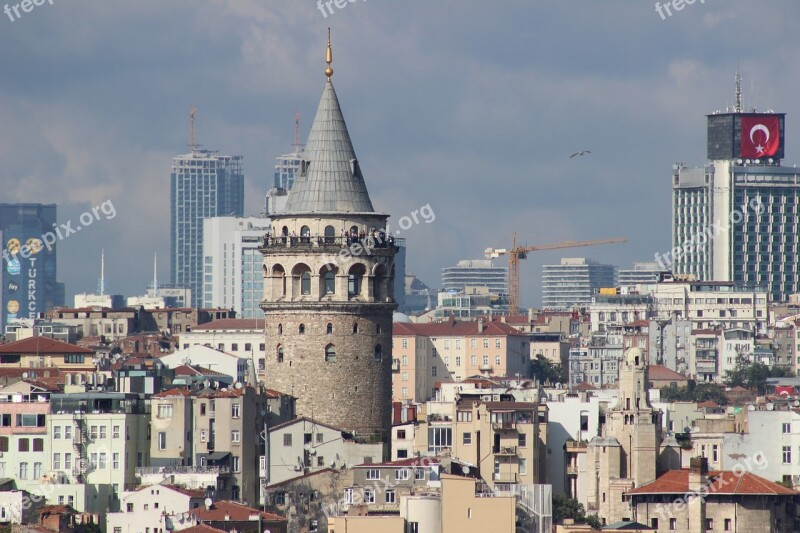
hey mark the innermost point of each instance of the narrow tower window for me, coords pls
(355, 328)
(378, 352)
(329, 329)
(280, 354)
(330, 354)
(302, 329)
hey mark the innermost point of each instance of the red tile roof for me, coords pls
(585, 386)
(235, 511)
(232, 323)
(708, 404)
(172, 392)
(42, 345)
(720, 482)
(202, 528)
(662, 373)
(524, 406)
(456, 328)
(192, 493)
(401, 463)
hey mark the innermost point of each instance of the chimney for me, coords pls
(480, 325)
(698, 479)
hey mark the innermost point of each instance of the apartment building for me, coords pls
(453, 351)
(42, 352)
(711, 304)
(97, 439)
(158, 507)
(505, 441)
(236, 367)
(113, 324)
(302, 446)
(225, 433)
(24, 441)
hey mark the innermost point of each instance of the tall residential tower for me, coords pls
(203, 184)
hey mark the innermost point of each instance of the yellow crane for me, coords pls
(521, 252)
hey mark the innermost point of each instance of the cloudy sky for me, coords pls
(471, 107)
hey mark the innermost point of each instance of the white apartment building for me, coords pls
(200, 355)
(232, 277)
(156, 507)
(712, 305)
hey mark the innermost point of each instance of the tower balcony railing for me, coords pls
(379, 241)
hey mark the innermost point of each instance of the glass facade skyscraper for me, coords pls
(574, 282)
(203, 184)
(28, 275)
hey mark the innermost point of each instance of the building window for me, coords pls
(67, 461)
(673, 524)
(467, 438)
(522, 440)
(419, 474)
(114, 432)
(373, 473)
(56, 432)
(378, 352)
(464, 416)
(287, 439)
(787, 427)
(329, 329)
(235, 436)
(473, 360)
(305, 283)
(485, 360)
(235, 465)
(330, 353)
(458, 361)
(162, 440)
(728, 524)
(56, 461)
(497, 343)
(248, 347)
(433, 371)
(402, 453)
(485, 343)
(115, 461)
(404, 343)
(390, 496)
(523, 467)
(38, 445)
(369, 496)
(235, 410)
(709, 524)
(301, 329)
(103, 461)
(348, 496)
(23, 445)
(497, 360)
(103, 432)
(787, 455)
(654, 523)
(202, 435)
(401, 474)
(280, 354)
(355, 328)
(165, 410)
(329, 282)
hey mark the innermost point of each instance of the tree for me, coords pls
(564, 507)
(702, 392)
(546, 372)
(752, 374)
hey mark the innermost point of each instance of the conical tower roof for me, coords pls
(333, 181)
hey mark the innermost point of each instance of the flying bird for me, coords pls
(582, 152)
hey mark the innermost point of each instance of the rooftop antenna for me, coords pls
(738, 108)
(155, 273)
(192, 114)
(297, 146)
(101, 288)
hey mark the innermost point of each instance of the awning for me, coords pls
(217, 456)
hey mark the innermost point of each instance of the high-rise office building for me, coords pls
(28, 274)
(475, 273)
(736, 218)
(232, 259)
(640, 274)
(574, 282)
(203, 184)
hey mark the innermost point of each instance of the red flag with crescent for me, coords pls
(761, 136)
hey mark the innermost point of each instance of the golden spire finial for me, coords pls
(329, 56)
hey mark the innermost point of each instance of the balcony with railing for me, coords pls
(485, 368)
(505, 450)
(395, 365)
(499, 425)
(504, 477)
(369, 245)
(169, 470)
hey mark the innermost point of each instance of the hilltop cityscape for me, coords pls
(313, 368)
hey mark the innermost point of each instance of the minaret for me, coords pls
(328, 285)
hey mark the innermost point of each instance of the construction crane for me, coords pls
(521, 252)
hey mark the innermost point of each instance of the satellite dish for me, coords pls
(465, 470)
(307, 447)
(24, 375)
(770, 406)
(208, 502)
(238, 385)
(751, 407)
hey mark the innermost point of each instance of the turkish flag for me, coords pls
(761, 136)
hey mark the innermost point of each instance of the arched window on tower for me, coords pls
(378, 329)
(378, 352)
(330, 234)
(329, 329)
(329, 281)
(305, 283)
(279, 354)
(305, 234)
(280, 329)
(355, 328)
(302, 329)
(330, 353)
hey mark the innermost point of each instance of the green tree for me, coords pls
(594, 521)
(752, 374)
(564, 507)
(546, 372)
(702, 392)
